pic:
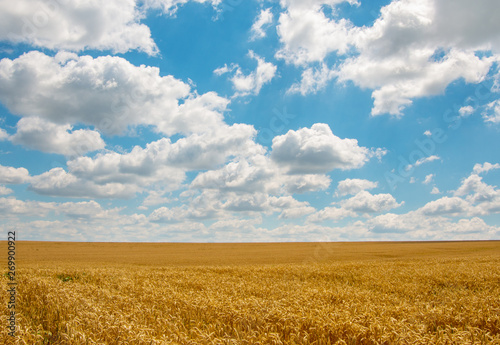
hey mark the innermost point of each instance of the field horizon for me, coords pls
(175, 253)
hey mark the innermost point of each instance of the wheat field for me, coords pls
(281, 293)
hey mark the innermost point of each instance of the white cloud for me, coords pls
(290, 208)
(235, 226)
(238, 176)
(308, 35)
(331, 213)
(221, 202)
(484, 199)
(57, 182)
(10, 207)
(76, 25)
(484, 168)
(428, 179)
(364, 202)
(306, 183)
(435, 190)
(225, 69)
(492, 112)
(466, 111)
(313, 80)
(414, 49)
(415, 76)
(107, 92)
(474, 184)
(3, 134)
(427, 133)
(422, 161)
(264, 18)
(354, 186)
(318, 150)
(256, 202)
(85, 210)
(161, 164)
(167, 215)
(453, 206)
(427, 160)
(416, 226)
(12, 175)
(171, 6)
(155, 198)
(397, 52)
(258, 174)
(41, 135)
(5, 191)
(253, 82)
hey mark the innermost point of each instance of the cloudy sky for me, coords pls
(232, 120)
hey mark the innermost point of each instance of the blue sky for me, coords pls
(250, 121)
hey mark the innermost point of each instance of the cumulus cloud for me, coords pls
(428, 179)
(238, 176)
(290, 207)
(58, 182)
(296, 184)
(155, 198)
(414, 49)
(167, 215)
(264, 18)
(331, 213)
(171, 6)
(318, 150)
(313, 80)
(417, 76)
(107, 92)
(466, 111)
(492, 112)
(5, 191)
(354, 186)
(484, 199)
(256, 202)
(445, 206)
(84, 210)
(13, 207)
(161, 163)
(361, 203)
(12, 175)
(365, 202)
(250, 83)
(474, 184)
(76, 25)
(3, 134)
(258, 174)
(38, 134)
(261, 202)
(414, 225)
(484, 168)
(308, 35)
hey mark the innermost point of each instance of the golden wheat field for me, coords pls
(282, 293)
